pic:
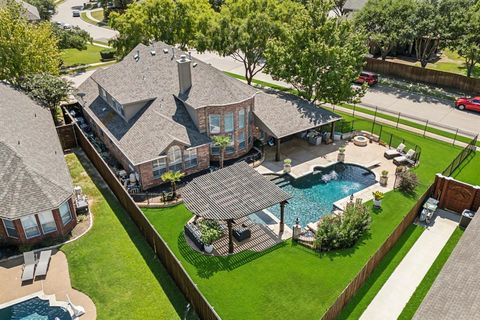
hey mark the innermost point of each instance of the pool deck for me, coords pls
(57, 282)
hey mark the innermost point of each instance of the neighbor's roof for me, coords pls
(455, 294)
(31, 12)
(284, 114)
(354, 5)
(33, 173)
(231, 193)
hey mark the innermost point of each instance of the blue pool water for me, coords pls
(34, 309)
(315, 193)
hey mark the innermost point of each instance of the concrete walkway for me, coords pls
(395, 293)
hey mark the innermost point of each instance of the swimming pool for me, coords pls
(34, 309)
(315, 193)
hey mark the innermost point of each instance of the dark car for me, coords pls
(370, 78)
(468, 103)
(76, 13)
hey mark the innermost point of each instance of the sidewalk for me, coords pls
(396, 292)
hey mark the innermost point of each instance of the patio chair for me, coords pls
(392, 153)
(28, 266)
(406, 159)
(43, 263)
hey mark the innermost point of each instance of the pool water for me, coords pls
(315, 193)
(34, 309)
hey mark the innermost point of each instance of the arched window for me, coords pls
(175, 159)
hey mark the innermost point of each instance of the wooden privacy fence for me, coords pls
(159, 246)
(373, 262)
(413, 73)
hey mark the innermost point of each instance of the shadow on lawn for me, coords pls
(207, 266)
(172, 292)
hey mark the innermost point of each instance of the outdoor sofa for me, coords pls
(194, 234)
(241, 234)
(392, 153)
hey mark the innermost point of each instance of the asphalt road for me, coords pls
(64, 14)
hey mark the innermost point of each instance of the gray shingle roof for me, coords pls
(455, 294)
(231, 193)
(33, 173)
(354, 5)
(285, 114)
(31, 12)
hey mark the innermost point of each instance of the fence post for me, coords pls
(374, 119)
(353, 113)
(390, 142)
(380, 134)
(425, 129)
(333, 108)
(455, 138)
(398, 120)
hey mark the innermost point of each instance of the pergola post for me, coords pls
(277, 153)
(332, 131)
(230, 236)
(282, 215)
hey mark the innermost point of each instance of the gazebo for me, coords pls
(232, 193)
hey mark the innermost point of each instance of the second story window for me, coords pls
(241, 119)
(190, 158)
(228, 118)
(175, 159)
(214, 123)
(159, 167)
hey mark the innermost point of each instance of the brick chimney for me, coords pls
(184, 73)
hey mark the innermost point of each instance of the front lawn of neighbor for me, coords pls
(289, 280)
(74, 57)
(113, 264)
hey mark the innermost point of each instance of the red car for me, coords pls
(468, 103)
(368, 77)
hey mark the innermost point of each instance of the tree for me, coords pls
(388, 23)
(245, 27)
(45, 8)
(75, 38)
(48, 90)
(173, 177)
(318, 55)
(222, 142)
(25, 48)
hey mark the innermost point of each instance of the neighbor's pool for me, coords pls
(315, 193)
(34, 309)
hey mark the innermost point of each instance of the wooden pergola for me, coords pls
(232, 193)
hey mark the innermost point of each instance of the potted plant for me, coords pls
(377, 198)
(384, 178)
(287, 165)
(341, 154)
(210, 232)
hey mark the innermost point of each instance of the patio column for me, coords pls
(282, 215)
(230, 236)
(277, 153)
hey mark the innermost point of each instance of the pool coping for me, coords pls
(51, 298)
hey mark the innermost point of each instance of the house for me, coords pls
(158, 109)
(30, 11)
(35, 185)
(352, 6)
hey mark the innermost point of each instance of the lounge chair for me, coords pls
(43, 262)
(406, 159)
(392, 153)
(28, 266)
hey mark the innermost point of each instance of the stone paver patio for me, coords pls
(57, 282)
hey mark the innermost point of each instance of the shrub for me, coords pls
(343, 231)
(408, 182)
(107, 54)
(384, 173)
(378, 195)
(210, 230)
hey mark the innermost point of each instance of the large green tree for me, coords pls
(318, 55)
(25, 48)
(245, 27)
(75, 38)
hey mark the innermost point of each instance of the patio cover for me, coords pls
(231, 193)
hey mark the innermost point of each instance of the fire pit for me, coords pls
(360, 141)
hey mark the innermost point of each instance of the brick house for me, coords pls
(36, 188)
(158, 108)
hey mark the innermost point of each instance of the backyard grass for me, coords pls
(74, 57)
(113, 264)
(380, 275)
(469, 171)
(430, 277)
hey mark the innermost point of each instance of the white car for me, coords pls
(76, 13)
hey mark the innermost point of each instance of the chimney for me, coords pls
(184, 73)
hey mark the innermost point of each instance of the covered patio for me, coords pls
(230, 195)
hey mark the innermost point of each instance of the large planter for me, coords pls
(377, 203)
(383, 181)
(208, 248)
(341, 157)
(287, 168)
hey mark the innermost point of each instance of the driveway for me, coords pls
(64, 14)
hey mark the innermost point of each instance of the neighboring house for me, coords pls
(30, 11)
(351, 6)
(158, 108)
(35, 185)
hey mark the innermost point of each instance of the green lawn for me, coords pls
(73, 57)
(97, 14)
(380, 275)
(469, 172)
(430, 277)
(113, 264)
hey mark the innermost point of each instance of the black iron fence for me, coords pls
(460, 158)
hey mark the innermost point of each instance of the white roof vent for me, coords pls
(153, 52)
(136, 57)
(165, 50)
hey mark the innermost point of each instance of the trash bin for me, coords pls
(467, 216)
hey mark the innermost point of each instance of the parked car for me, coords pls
(76, 13)
(468, 103)
(370, 78)
(67, 26)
